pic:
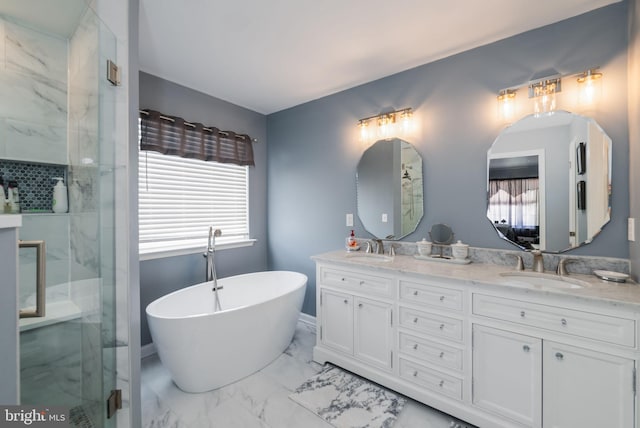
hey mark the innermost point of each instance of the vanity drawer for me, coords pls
(434, 324)
(620, 331)
(431, 352)
(356, 281)
(432, 295)
(431, 379)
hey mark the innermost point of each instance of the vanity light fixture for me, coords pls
(397, 123)
(543, 91)
(507, 105)
(589, 87)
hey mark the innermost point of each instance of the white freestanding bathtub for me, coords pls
(204, 350)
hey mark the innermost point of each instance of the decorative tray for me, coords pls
(608, 275)
(444, 259)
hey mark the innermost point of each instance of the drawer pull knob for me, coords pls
(415, 373)
(441, 384)
(441, 354)
(441, 326)
(442, 298)
(521, 314)
(346, 301)
(342, 279)
(415, 320)
(359, 305)
(415, 346)
(559, 356)
(415, 293)
(526, 348)
(362, 282)
(563, 321)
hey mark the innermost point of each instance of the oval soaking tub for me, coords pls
(203, 349)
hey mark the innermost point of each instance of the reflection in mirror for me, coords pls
(389, 189)
(549, 181)
(441, 234)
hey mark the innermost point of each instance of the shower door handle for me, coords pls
(40, 278)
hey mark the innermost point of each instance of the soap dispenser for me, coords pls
(352, 243)
(60, 204)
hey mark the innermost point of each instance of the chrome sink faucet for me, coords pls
(538, 262)
(379, 246)
(562, 266)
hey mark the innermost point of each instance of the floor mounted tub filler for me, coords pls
(205, 349)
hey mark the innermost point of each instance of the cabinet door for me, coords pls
(337, 320)
(507, 374)
(373, 332)
(585, 388)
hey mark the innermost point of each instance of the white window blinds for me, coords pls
(180, 198)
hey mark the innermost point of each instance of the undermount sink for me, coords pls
(542, 280)
(369, 257)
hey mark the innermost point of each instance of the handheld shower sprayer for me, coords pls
(211, 266)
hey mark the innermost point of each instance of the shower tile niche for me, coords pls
(35, 184)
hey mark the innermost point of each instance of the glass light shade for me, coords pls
(387, 126)
(365, 136)
(507, 105)
(589, 89)
(406, 123)
(544, 98)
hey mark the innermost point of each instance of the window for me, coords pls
(179, 198)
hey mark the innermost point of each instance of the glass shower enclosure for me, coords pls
(57, 119)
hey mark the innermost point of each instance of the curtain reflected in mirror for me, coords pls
(514, 197)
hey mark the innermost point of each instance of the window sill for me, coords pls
(168, 251)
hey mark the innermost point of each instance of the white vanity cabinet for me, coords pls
(507, 374)
(492, 354)
(539, 381)
(351, 323)
(586, 388)
(431, 330)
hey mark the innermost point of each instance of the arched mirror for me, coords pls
(549, 181)
(389, 189)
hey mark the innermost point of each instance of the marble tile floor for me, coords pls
(260, 400)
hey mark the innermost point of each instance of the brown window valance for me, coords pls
(174, 136)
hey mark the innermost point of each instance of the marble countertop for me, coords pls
(10, 221)
(488, 276)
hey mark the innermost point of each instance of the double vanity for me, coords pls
(488, 344)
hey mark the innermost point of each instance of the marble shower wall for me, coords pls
(33, 86)
(33, 128)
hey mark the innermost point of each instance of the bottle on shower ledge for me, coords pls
(60, 201)
(13, 197)
(3, 199)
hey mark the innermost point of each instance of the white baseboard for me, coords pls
(308, 319)
(148, 350)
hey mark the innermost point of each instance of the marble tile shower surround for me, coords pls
(579, 264)
(260, 400)
(33, 123)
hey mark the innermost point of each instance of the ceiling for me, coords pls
(271, 55)
(58, 17)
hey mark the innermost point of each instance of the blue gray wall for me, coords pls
(162, 276)
(313, 148)
(634, 132)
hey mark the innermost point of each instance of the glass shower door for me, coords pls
(57, 116)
